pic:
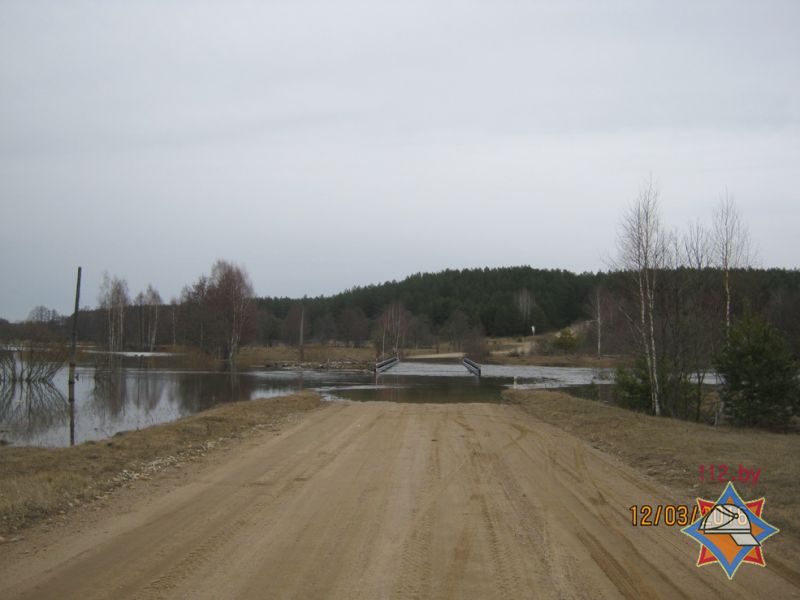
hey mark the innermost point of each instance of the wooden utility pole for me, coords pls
(71, 381)
(599, 321)
(302, 320)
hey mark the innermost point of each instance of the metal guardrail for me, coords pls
(385, 365)
(471, 366)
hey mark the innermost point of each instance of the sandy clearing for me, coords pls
(380, 500)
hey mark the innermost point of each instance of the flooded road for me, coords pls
(138, 394)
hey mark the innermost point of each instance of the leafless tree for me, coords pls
(731, 246)
(393, 323)
(147, 305)
(296, 322)
(195, 309)
(419, 329)
(42, 314)
(354, 325)
(324, 328)
(731, 250)
(152, 303)
(697, 247)
(173, 303)
(642, 250)
(524, 302)
(456, 327)
(114, 299)
(474, 344)
(697, 335)
(138, 305)
(232, 292)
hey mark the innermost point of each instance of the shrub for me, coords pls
(760, 376)
(474, 345)
(632, 387)
(566, 341)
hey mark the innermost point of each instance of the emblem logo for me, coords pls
(730, 531)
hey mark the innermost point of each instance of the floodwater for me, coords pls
(139, 393)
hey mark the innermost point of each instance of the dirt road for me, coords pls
(395, 501)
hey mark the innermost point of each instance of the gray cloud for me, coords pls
(328, 144)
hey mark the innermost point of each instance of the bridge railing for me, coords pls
(471, 366)
(385, 365)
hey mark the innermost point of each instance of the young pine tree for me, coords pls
(760, 376)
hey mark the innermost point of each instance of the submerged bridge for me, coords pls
(384, 365)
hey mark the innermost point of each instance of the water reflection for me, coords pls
(28, 409)
(420, 388)
(116, 398)
(128, 393)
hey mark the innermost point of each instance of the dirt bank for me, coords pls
(384, 500)
(315, 356)
(39, 483)
(671, 452)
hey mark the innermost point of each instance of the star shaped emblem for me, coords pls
(730, 531)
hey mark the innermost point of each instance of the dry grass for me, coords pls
(671, 452)
(560, 360)
(322, 355)
(38, 482)
(506, 351)
(523, 351)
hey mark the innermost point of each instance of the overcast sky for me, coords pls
(329, 144)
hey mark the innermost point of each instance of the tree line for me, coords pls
(681, 302)
(453, 306)
(686, 308)
(670, 298)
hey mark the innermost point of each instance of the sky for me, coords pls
(324, 145)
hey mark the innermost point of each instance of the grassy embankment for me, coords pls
(505, 351)
(316, 355)
(526, 351)
(671, 452)
(36, 483)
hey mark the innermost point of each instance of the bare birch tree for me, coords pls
(232, 291)
(697, 247)
(698, 336)
(195, 309)
(173, 303)
(731, 248)
(147, 305)
(731, 244)
(139, 303)
(42, 314)
(152, 301)
(114, 299)
(394, 322)
(524, 302)
(642, 249)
